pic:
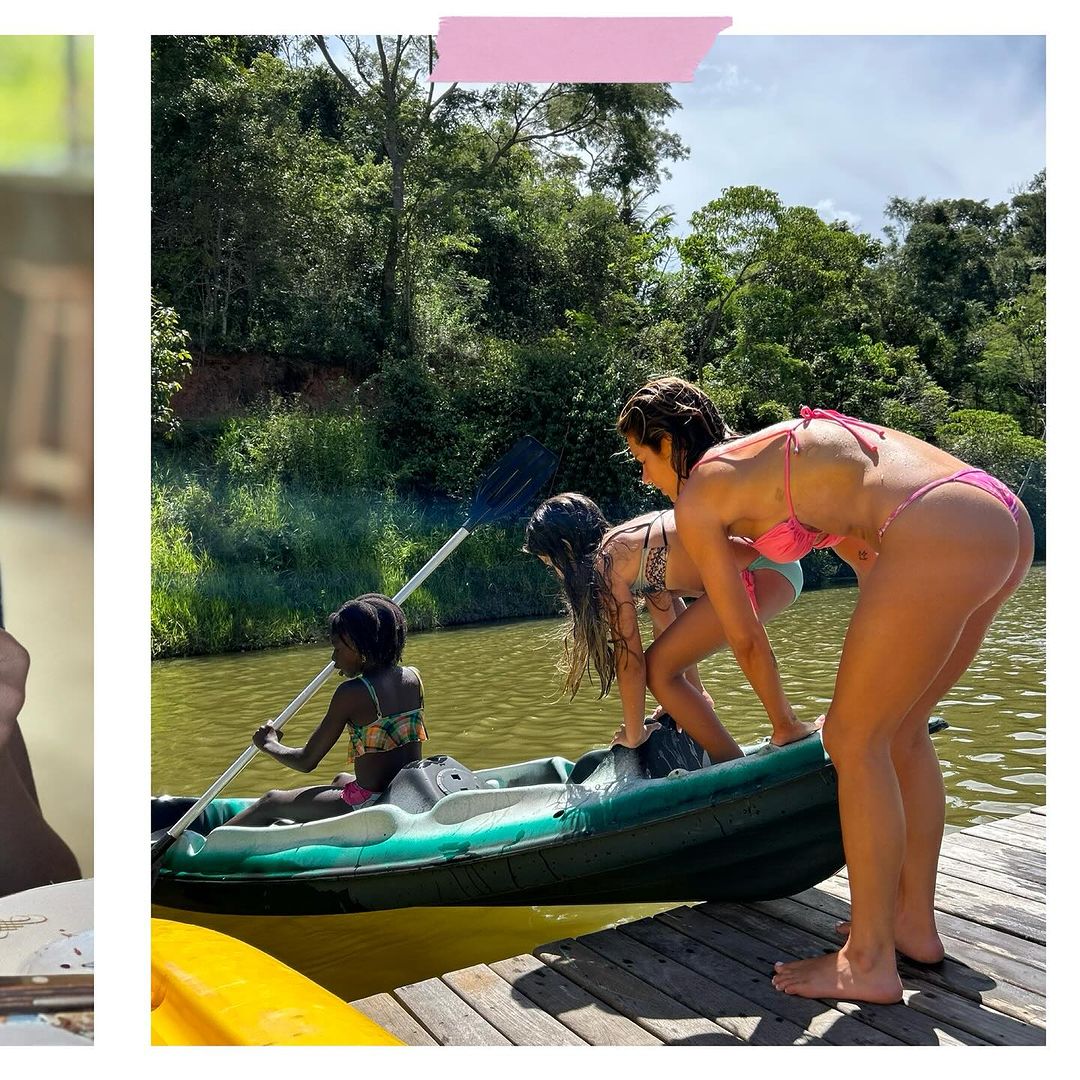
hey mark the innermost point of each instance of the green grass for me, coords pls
(241, 565)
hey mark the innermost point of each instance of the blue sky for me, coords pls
(841, 124)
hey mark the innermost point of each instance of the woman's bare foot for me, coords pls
(837, 976)
(793, 732)
(923, 945)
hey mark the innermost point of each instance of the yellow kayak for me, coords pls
(208, 989)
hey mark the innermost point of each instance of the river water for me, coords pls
(492, 698)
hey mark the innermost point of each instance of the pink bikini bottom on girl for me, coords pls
(975, 477)
(354, 794)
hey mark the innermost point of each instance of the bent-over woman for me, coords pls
(949, 543)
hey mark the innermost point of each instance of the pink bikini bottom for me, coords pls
(975, 477)
(354, 794)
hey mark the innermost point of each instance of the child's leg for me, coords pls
(296, 804)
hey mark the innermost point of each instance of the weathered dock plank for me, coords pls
(1023, 837)
(449, 1019)
(725, 1007)
(688, 936)
(819, 912)
(1023, 866)
(507, 1010)
(593, 1020)
(980, 874)
(746, 963)
(991, 907)
(389, 1014)
(912, 1026)
(669, 1020)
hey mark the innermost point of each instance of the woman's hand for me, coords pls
(621, 738)
(266, 734)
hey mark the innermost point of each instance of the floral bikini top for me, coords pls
(387, 732)
(790, 540)
(652, 570)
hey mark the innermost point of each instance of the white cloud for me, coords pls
(863, 119)
(828, 212)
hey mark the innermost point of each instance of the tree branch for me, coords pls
(342, 77)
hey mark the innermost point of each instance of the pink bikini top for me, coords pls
(788, 541)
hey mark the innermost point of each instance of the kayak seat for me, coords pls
(665, 751)
(421, 784)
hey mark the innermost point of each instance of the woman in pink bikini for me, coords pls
(381, 705)
(948, 543)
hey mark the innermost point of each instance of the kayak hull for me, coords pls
(758, 828)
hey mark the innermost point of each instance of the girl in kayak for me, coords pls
(31, 854)
(949, 545)
(603, 571)
(381, 706)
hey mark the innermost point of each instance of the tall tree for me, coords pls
(438, 145)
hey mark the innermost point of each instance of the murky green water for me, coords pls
(492, 698)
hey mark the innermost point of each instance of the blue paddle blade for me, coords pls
(513, 483)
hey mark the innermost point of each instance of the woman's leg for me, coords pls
(694, 636)
(691, 637)
(296, 804)
(908, 622)
(921, 787)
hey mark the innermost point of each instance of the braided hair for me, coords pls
(375, 626)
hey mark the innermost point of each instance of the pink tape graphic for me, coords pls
(478, 49)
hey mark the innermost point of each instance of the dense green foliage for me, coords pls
(482, 266)
(170, 361)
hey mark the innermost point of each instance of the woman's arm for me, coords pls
(304, 759)
(703, 530)
(629, 666)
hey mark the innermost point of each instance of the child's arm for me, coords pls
(305, 758)
(629, 668)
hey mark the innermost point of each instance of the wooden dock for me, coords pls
(700, 974)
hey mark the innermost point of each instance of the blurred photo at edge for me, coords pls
(46, 413)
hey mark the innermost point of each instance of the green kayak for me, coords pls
(654, 824)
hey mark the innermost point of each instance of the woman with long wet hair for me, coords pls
(949, 544)
(604, 572)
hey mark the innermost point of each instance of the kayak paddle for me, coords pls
(505, 490)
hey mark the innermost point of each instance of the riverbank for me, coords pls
(264, 523)
(254, 565)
